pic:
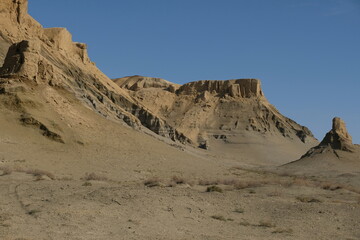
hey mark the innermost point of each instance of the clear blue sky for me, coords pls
(307, 53)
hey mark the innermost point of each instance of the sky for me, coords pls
(306, 53)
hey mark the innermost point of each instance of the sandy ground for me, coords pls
(81, 209)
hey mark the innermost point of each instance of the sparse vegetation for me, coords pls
(266, 224)
(282, 230)
(152, 182)
(239, 210)
(219, 217)
(38, 173)
(307, 199)
(33, 212)
(178, 180)
(214, 189)
(237, 184)
(87, 184)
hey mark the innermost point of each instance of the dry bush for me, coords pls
(232, 182)
(330, 186)
(239, 210)
(94, 176)
(214, 188)
(266, 224)
(307, 199)
(152, 182)
(282, 230)
(38, 173)
(6, 170)
(219, 217)
(178, 180)
(87, 184)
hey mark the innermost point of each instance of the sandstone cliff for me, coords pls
(48, 58)
(213, 112)
(43, 68)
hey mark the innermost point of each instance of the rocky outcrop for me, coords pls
(27, 120)
(135, 83)
(190, 113)
(22, 59)
(338, 137)
(203, 109)
(61, 40)
(237, 88)
(48, 58)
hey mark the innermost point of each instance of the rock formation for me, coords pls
(137, 82)
(210, 112)
(243, 88)
(338, 137)
(202, 113)
(47, 58)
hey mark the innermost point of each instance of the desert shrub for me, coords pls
(330, 186)
(39, 173)
(33, 211)
(178, 180)
(87, 184)
(239, 210)
(282, 230)
(152, 182)
(214, 188)
(94, 176)
(306, 199)
(266, 224)
(219, 217)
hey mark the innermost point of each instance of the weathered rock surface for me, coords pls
(234, 109)
(338, 137)
(47, 58)
(137, 82)
(48, 61)
(243, 88)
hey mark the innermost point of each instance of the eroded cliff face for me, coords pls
(137, 82)
(48, 64)
(213, 110)
(338, 137)
(242, 88)
(38, 58)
